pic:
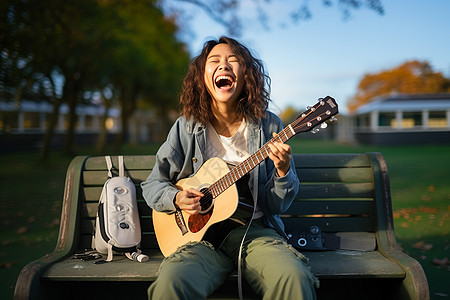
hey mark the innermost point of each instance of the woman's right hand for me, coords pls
(189, 201)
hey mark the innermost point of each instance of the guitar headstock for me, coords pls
(322, 111)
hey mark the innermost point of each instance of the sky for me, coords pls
(328, 55)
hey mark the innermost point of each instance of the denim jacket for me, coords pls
(182, 154)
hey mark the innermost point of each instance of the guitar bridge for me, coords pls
(180, 222)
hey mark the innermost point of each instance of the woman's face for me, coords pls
(223, 74)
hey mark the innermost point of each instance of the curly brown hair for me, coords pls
(255, 96)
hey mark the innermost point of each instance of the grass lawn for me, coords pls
(31, 195)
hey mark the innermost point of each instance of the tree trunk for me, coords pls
(69, 146)
(128, 105)
(50, 130)
(101, 140)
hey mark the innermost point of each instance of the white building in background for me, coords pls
(33, 117)
(23, 124)
(404, 119)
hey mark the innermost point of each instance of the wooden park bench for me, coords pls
(346, 195)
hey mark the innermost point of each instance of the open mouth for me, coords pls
(224, 82)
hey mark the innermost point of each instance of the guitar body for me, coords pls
(169, 234)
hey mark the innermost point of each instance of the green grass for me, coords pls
(31, 195)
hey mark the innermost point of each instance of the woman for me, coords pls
(224, 114)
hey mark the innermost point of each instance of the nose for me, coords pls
(224, 66)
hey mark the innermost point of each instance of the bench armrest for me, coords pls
(415, 285)
(28, 282)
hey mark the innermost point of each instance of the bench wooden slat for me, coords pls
(87, 224)
(335, 175)
(332, 224)
(148, 241)
(331, 161)
(92, 193)
(353, 264)
(346, 190)
(98, 177)
(90, 209)
(131, 162)
(345, 207)
(326, 264)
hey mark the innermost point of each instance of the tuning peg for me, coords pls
(333, 119)
(323, 125)
(315, 130)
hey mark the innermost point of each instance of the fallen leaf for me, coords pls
(441, 262)
(426, 198)
(22, 230)
(430, 210)
(422, 246)
(54, 223)
(7, 265)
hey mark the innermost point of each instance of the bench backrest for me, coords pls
(337, 193)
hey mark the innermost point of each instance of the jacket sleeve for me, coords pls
(280, 191)
(159, 189)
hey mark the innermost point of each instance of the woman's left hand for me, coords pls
(280, 154)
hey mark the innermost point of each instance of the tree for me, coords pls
(410, 77)
(289, 115)
(86, 45)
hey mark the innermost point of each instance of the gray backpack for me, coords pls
(118, 229)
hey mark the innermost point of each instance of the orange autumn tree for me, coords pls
(412, 77)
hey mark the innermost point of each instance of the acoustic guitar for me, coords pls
(221, 202)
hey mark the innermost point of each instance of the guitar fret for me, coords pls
(213, 190)
(235, 174)
(228, 182)
(241, 172)
(251, 157)
(256, 153)
(292, 130)
(222, 185)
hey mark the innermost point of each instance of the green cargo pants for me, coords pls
(272, 268)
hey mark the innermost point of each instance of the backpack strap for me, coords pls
(109, 165)
(121, 167)
(137, 256)
(110, 252)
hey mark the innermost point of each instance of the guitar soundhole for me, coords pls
(198, 221)
(207, 201)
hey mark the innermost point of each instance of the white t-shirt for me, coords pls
(233, 150)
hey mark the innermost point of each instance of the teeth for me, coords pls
(224, 78)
